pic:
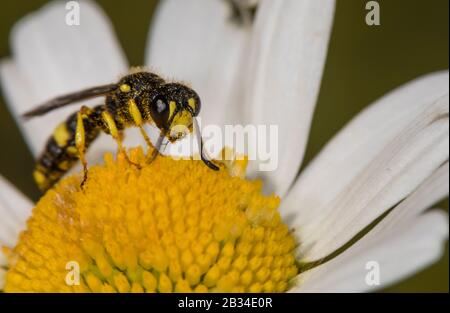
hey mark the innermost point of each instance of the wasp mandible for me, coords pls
(138, 98)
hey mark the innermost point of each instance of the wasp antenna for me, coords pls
(205, 160)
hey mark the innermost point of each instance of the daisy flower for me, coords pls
(178, 226)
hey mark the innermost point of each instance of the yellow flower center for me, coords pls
(169, 226)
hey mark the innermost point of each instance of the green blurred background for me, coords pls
(364, 62)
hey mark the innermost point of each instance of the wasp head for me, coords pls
(171, 106)
(173, 109)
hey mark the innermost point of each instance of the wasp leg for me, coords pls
(146, 137)
(155, 151)
(137, 118)
(114, 132)
(80, 140)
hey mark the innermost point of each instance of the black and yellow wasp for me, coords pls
(137, 98)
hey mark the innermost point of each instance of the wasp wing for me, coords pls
(70, 98)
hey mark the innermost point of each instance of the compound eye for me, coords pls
(159, 110)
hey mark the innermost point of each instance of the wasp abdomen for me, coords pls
(60, 153)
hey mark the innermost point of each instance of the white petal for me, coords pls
(399, 253)
(372, 164)
(194, 41)
(15, 209)
(402, 216)
(286, 58)
(51, 58)
(431, 191)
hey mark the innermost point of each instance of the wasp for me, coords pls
(243, 12)
(138, 98)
